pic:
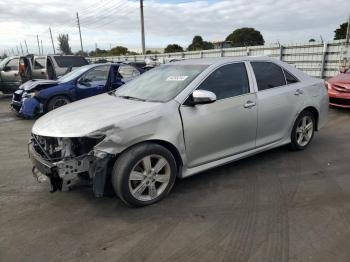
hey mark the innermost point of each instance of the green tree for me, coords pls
(245, 36)
(118, 50)
(98, 52)
(81, 53)
(63, 44)
(173, 48)
(198, 44)
(150, 52)
(312, 40)
(340, 33)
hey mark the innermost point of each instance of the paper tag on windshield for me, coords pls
(176, 78)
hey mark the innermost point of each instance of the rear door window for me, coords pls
(268, 75)
(227, 81)
(70, 61)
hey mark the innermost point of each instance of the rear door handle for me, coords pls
(249, 104)
(298, 92)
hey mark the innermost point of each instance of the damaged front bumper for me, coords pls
(26, 106)
(66, 173)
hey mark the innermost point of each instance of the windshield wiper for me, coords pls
(133, 98)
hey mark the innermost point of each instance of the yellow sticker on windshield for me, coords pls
(176, 78)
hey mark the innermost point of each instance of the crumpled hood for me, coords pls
(90, 115)
(33, 84)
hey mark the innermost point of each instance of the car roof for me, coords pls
(221, 60)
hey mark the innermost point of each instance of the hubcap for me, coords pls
(149, 177)
(304, 131)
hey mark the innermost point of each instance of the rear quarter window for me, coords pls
(290, 78)
(70, 61)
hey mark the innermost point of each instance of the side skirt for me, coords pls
(194, 170)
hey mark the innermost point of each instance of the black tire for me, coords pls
(295, 144)
(56, 102)
(126, 163)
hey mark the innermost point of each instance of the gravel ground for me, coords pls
(276, 206)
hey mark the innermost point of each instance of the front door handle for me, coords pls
(298, 92)
(249, 104)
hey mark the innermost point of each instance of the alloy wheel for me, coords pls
(149, 177)
(304, 130)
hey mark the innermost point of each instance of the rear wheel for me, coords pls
(144, 174)
(303, 131)
(57, 101)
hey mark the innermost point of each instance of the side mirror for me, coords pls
(83, 82)
(200, 97)
(6, 69)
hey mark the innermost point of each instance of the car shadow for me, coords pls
(192, 192)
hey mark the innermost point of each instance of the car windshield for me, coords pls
(3, 62)
(160, 84)
(75, 73)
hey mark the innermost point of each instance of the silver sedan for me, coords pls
(176, 121)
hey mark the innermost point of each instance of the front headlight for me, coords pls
(31, 94)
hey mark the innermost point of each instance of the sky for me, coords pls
(108, 23)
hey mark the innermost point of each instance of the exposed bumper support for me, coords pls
(65, 173)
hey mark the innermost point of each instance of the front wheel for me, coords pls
(144, 174)
(303, 131)
(56, 102)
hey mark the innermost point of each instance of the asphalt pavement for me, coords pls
(275, 206)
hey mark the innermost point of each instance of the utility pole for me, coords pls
(37, 38)
(21, 48)
(53, 45)
(348, 32)
(42, 49)
(25, 42)
(81, 41)
(142, 28)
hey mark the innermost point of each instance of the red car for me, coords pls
(339, 89)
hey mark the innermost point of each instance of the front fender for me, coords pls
(165, 127)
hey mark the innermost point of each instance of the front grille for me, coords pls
(16, 107)
(341, 89)
(339, 101)
(48, 148)
(17, 97)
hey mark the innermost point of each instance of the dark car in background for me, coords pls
(36, 97)
(17, 70)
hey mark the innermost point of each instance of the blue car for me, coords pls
(36, 97)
